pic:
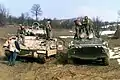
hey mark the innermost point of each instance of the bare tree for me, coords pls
(118, 14)
(36, 10)
(2, 9)
(118, 19)
(3, 14)
(26, 15)
(97, 25)
(27, 18)
(22, 18)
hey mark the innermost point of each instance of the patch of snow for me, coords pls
(107, 32)
(66, 36)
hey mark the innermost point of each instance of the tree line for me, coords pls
(25, 19)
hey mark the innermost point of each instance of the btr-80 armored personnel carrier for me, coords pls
(89, 49)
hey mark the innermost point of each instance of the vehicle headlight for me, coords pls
(105, 43)
(71, 42)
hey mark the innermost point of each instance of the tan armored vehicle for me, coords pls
(36, 45)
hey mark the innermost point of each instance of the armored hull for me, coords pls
(90, 49)
(36, 45)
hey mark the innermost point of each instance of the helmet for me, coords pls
(78, 19)
(48, 21)
(86, 17)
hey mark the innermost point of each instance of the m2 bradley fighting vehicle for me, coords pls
(88, 48)
(36, 45)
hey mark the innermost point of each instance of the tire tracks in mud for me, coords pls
(37, 72)
(73, 74)
(21, 69)
(73, 71)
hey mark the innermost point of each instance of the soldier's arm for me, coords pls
(50, 26)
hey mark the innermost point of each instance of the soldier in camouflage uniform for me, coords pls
(77, 25)
(78, 29)
(21, 33)
(48, 30)
(87, 25)
(90, 25)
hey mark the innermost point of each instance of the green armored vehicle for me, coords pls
(89, 49)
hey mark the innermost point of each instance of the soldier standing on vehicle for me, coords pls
(48, 30)
(21, 33)
(86, 25)
(78, 29)
(90, 26)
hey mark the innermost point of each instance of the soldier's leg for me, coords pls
(90, 29)
(51, 35)
(23, 39)
(75, 36)
(10, 58)
(18, 37)
(86, 29)
(14, 56)
(77, 33)
(48, 35)
(80, 31)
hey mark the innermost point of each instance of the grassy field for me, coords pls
(12, 30)
(4, 31)
(7, 29)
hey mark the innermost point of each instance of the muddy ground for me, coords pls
(84, 70)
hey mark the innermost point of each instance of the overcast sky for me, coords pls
(105, 9)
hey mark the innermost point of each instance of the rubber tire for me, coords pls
(105, 61)
(41, 58)
(70, 61)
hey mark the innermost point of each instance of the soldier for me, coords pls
(90, 26)
(48, 30)
(86, 23)
(77, 29)
(21, 33)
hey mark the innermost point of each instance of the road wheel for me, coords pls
(41, 58)
(70, 61)
(105, 61)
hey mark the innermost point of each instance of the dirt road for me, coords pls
(51, 71)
